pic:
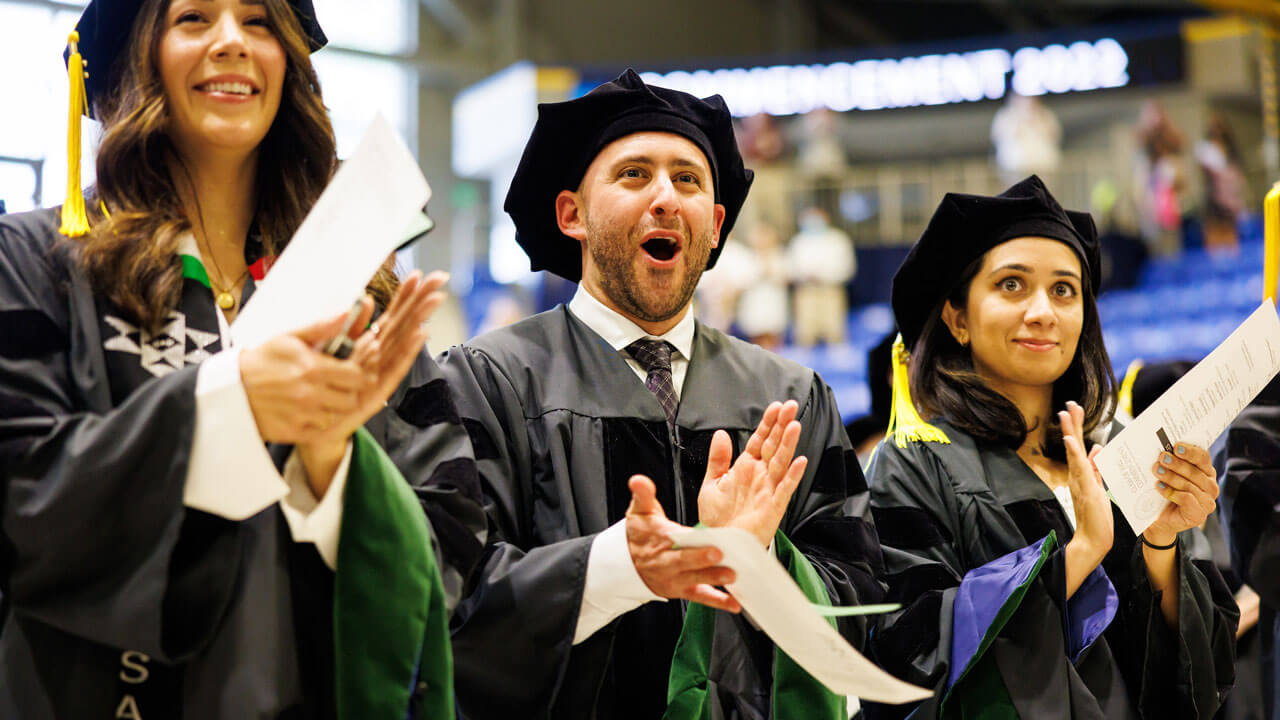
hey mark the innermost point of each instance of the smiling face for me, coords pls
(223, 70)
(1024, 313)
(647, 220)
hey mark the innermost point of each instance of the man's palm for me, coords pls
(752, 493)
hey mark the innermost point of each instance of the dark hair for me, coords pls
(131, 256)
(944, 383)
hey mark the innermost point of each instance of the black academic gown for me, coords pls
(1249, 470)
(119, 601)
(944, 510)
(559, 422)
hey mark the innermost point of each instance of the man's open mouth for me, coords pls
(661, 248)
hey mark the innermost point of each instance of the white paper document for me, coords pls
(780, 609)
(1199, 406)
(376, 196)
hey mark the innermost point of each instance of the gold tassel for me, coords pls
(905, 423)
(1271, 246)
(1124, 399)
(75, 219)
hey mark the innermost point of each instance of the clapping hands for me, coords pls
(753, 492)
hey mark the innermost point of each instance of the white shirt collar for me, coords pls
(619, 331)
(187, 245)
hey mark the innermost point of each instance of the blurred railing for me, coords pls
(890, 203)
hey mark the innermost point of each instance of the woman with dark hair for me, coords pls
(192, 529)
(1025, 593)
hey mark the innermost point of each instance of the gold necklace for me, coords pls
(224, 297)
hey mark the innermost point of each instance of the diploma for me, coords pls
(1199, 406)
(780, 609)
(373, 203)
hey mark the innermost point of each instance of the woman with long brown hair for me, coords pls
(193, 529)
(1026, 594)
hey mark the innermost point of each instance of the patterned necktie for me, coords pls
(655, 357)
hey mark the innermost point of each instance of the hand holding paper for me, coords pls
(679, 573)
(1194, 412)
(1187, 479)
(782, 611)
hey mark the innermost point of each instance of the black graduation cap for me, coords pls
(568, 136)
(964, 227)
(104, 29)
(1150, 381)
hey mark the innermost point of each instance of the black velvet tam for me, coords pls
(964, 227)
(568, 136)
(105, 26)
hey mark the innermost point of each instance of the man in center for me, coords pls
(601, 427)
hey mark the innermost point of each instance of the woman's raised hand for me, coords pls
(386, 351)
(1187, 479)
(295, 391)
(300, 396)
(1095, 523)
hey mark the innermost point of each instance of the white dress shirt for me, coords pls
(229, 472)
(613, 586)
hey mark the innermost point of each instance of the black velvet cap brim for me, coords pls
(568, 136)
(105, 26)
(964, 227)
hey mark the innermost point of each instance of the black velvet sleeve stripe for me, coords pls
(1033, 517)
(839, 472)
(914, 634)
(482, 443)
(457, 540)
(908, 528)
(428, 405)
(458, 473)
(911, 583)
(27, 333)
(843, 538)
(454, 503)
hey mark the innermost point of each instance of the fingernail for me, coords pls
(1159, 471)
(1161, 485)
(1182, 450)
(1166, 458)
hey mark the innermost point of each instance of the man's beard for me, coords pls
(614, 254)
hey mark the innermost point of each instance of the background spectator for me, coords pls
(820, 261)
(1028, 140)
(1158, 179)
(762, 307)
(1224, 184)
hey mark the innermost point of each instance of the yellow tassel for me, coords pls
(75, 220)
(1125, 397)
(1271, 233)
(905, 423)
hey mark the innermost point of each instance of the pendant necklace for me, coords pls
(223, 296)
